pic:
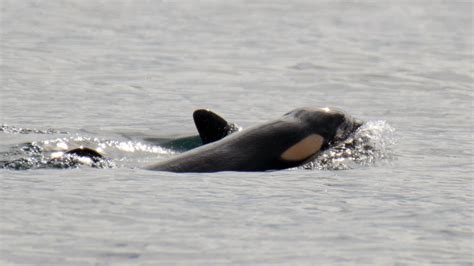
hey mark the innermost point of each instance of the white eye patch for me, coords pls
(304, 148)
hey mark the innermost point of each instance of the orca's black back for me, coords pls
(255, 149)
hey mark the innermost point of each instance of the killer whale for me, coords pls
(286, 142)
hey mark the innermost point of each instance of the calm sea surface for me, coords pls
(113, 73)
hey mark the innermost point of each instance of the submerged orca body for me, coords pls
(287, 142)
(210, 126)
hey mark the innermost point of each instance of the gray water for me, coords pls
(115, 72)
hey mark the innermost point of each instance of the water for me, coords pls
(119, 72)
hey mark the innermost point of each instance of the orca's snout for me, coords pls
(346, 128)
(357, 123)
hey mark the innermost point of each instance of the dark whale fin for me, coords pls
(211, 127)
(86, 152)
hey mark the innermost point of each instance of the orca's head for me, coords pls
(331, 124)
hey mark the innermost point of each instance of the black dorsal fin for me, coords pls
(211, 127)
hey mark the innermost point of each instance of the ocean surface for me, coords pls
(112, 75)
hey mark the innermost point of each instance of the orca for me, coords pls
(287, 142)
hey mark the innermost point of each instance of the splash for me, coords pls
(37, 156)
(52, 153)
(370, 144)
